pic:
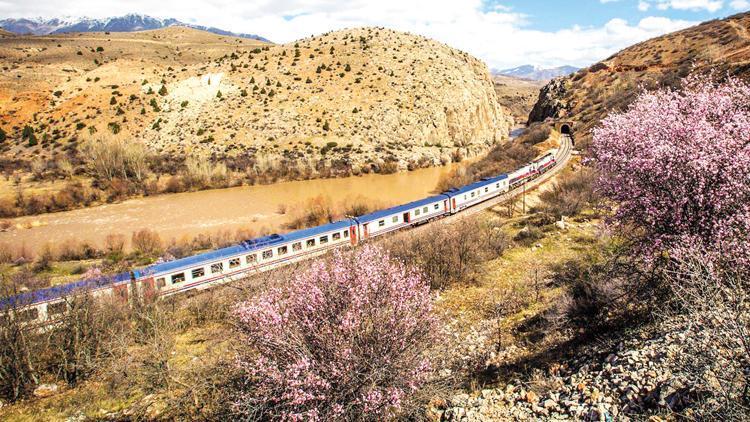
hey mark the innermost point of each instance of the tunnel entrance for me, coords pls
(565, 129)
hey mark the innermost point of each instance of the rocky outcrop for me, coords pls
(552, 101)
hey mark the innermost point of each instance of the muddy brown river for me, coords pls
(191, 213)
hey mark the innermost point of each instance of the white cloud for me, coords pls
(740, 4)
(643, 6)
(497, 35)
(693, 5)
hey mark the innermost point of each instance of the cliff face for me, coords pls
(351, 98)
(720, 47)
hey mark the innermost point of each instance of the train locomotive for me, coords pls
(231, 263)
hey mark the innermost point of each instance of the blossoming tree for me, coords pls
(677, 166)
(344, 340)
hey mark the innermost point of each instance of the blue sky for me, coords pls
(556, 15)
(503, 33)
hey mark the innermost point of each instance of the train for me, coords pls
(252, 256)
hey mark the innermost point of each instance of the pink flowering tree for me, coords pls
(343, 340)
(676, 165)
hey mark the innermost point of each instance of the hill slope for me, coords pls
(721, 46)
(345, 99)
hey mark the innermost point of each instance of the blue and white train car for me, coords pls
(411, 214)
(251, 256)
(476, 192)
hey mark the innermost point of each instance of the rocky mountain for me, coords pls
(536, 73)
(721, 47)
(127, 23)
(345, 101)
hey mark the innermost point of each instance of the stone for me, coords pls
(531, 397)
(549, 404)
(460, 400)
(46, 390)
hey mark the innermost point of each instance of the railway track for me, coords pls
(562, 157)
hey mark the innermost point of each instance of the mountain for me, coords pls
(536, 73)
(340, 103)
(719, 47)
(127, 23)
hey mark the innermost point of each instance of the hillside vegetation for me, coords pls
(587, 96)
(345, 102)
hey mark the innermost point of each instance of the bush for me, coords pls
(686, 181)
(571, 195)
(146, 242)
(450, 254)
(343, 340)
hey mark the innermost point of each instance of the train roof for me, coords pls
(56, 292)
(470, 187)
(398, 209)
(243, 247)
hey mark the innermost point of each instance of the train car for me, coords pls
(251, 256)
(44, 305)
(521, 175)
(544, 163)
(411, 214)
(466, 196)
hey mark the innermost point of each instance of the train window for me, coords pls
(297, 246)
(251, 259)
(395, 219)
(178, 278)
(336, 236)
(28, 315)
(217, 268)
(497, 186)
(486, 189)
(346, 234)
(323, 240)
(464, 196)
(381, 223)
(425, 210)
(198, 272)
(472, 194)
(160, 282)
(437, 206)
(416, 212)
(283, 250)
(234, 263)
(56, 308)
(310, 243)
(268, 254)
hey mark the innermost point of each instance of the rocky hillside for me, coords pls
(720, 46)
(351, 98)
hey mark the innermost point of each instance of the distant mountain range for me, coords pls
(127, 23)
(537, 73)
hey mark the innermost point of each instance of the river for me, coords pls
(188, 214)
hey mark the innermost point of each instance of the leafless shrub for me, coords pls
(316, 211)
(114, 243)
(714, 356)
(146, 242)
(18, 366)
(111, 157)
(450, 254)
(570, 195)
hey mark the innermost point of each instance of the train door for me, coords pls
(121, 291)
(454, 205)
(445, 205)
(406, 218)
(147, 289)
(353, 234)
(365, 235)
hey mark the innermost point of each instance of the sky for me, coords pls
(503, 33)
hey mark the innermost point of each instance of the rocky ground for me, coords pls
(612, 381)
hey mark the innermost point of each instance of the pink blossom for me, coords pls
(676, 165)
(344, 339)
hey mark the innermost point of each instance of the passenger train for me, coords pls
(256, 255)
